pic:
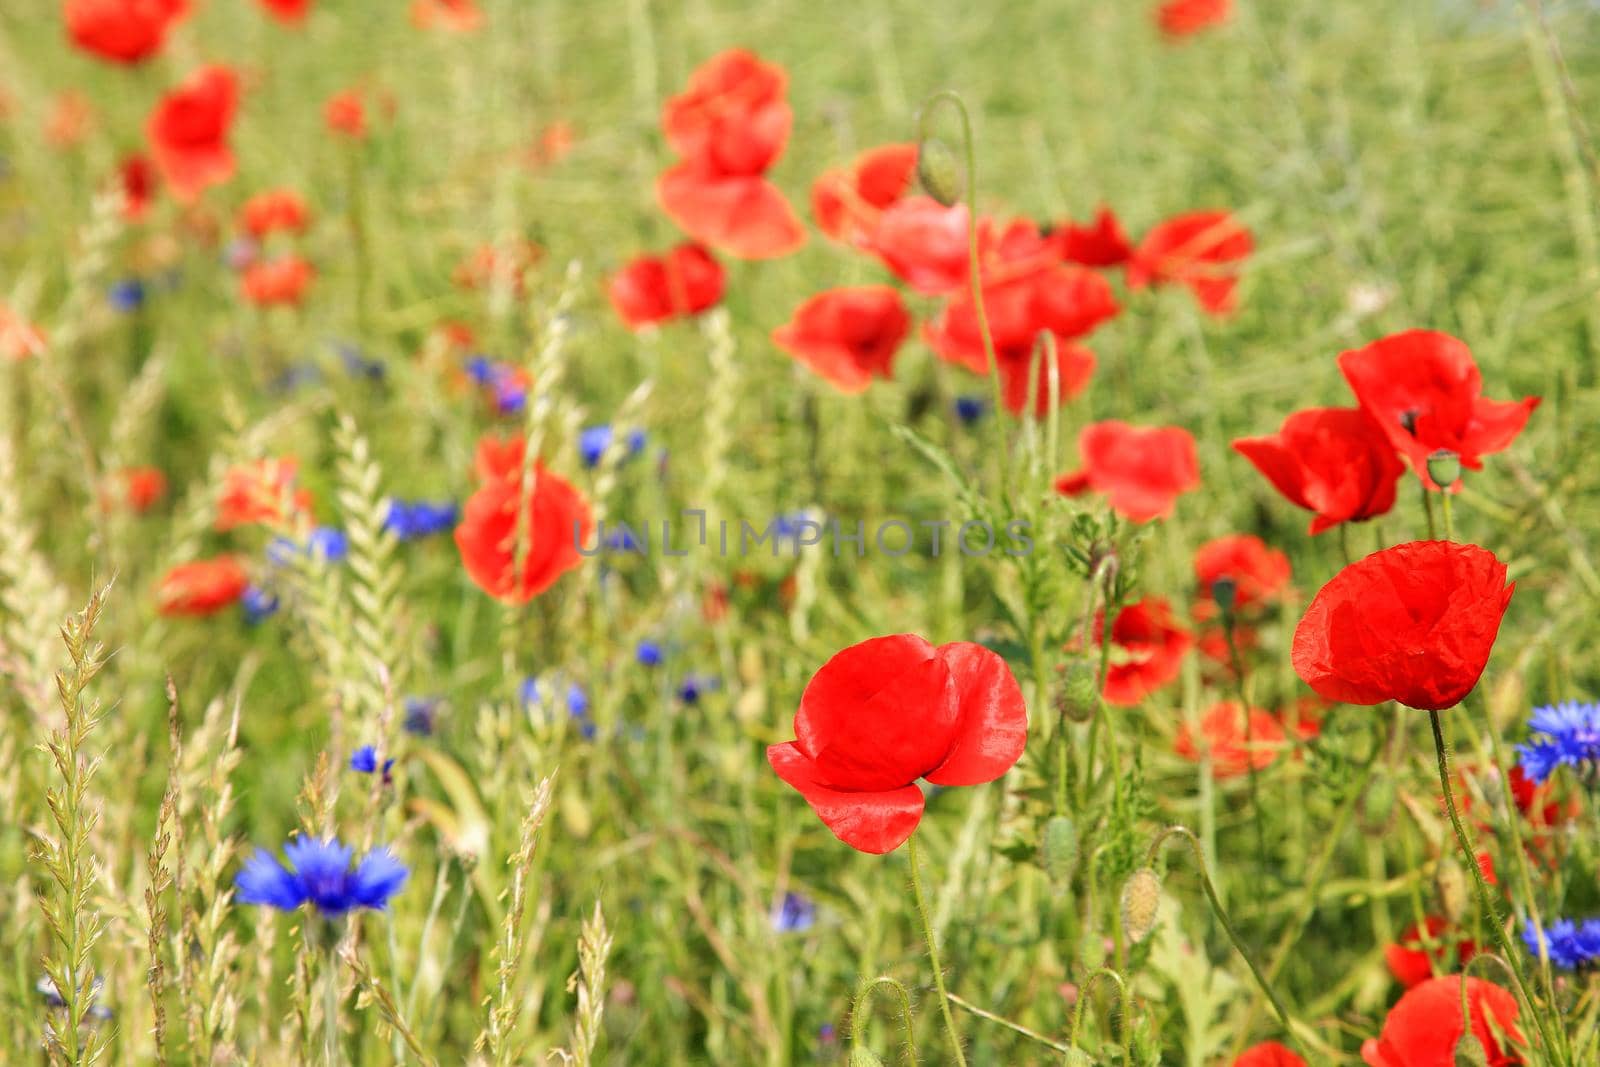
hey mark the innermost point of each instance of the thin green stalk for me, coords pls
(330, 1004)
(1083, 996)
(1427, 506)
(859, 1014)
(933, 954)
(1485, 899)
(1237, 663)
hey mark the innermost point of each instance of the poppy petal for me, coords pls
(993, 727)
(875, 822)
(744, 216)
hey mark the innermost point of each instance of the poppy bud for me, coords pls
(1058, 851)
(1444, 467)
(937, 171)
(1451, 883)
(1141, 897)
(861, 1056)
(1079, 696)
(1469, 1051)
(1103, 564)
(1225, 591)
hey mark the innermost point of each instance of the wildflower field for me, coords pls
(711, 533)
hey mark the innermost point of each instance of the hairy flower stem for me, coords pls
(933, 953)
(1083, 997)
(969, 194)
(1485, 898)
(860, 1013)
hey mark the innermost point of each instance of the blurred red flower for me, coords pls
(746, 217)
(203, 587)
(1268, 1054)
(1221, 734)
(1101, 243)
(279, 282)
(122, 31)
(1147, 650)
(1414, 623)
(456, 16)
(885, 712)
(1179, 18)
(188, 131)
(70, 119)
(142, 487)
(1424, 392)
(1412, 963)
(19, 338)
(287, 11)
(272, 211)
(492, 264)
(557, 521)
(1141, 471)
(137, 177)
(1195, 250)
(1424, 1025)
(1331, 461)
(654, 289)
(345, 113)
(848, 335)
(924, 244)
(261, 491)
(848, 202)
(1259, 573)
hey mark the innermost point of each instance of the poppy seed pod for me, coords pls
(1058, 850)
(938, 172)
(1469, 1050)
(1225, 591)
(1141, 898)
(1444, 467)
(1079, 697)
(1450, 881)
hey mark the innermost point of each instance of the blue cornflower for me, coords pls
(969, 409)
(533, 692)
(319, 872)
(127, 296)
(1566, 733)
(365, 760)
(649, 653)
(481, 369)
(593, 442)
(794, 914)
(412, 520)
(421, 712)
(326, 543)
(1570, 945)
(694, 686)
(622, 539)
(259, 604)
(358, 365)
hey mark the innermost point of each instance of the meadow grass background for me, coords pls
(1402, 165)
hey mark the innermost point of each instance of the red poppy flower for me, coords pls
(456, 16)
(1424, 1025)
(1259, 573)
(655, 289)
(277, 282)
(1141, 471)
(557, 522)
(269, 212)
(883, 713)
(847, 203)
(924, 244)
(1537, 802)
(491, 264)
(733, 120)
(188, 131)
(1424, 391)
(1101, 243)
(553, 145)
(847, 335)
(345, 114)
(744, 216)
(1414, 623)
(122, 31)
(261, 491)
(1074, 367)
(1412, 963)
(1223, 736)
(19, 338)
(137, 177)
(1268, 1054)
(1179, 18)
(1147, 650)
(142, 487)
(287, 11)
(203, 587)
(1331, 461)
(1194, 250)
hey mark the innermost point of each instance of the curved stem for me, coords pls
(1222, 917)
(1485, 898)
(933, 954)
(1083, 995)
(970, 195)
(859, 1014)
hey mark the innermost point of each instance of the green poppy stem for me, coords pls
(933, 953)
